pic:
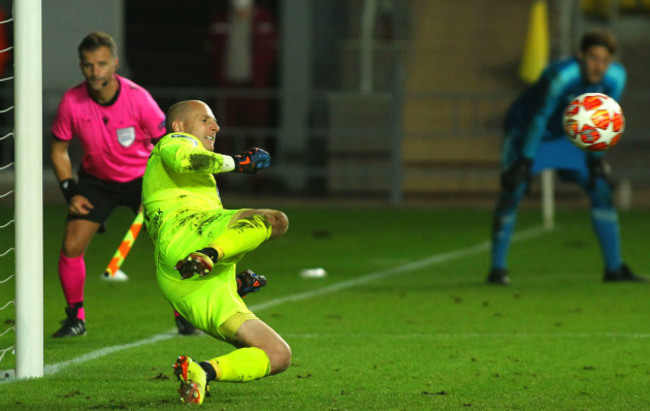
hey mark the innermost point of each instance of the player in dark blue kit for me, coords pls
(534, 140)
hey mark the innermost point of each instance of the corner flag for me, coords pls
(536, 48)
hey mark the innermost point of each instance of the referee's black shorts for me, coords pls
(106, 195)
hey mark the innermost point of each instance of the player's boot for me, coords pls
(249, 282)
(185, 327)
(197, 263)
(71, 326)
(623, 274)
(192, 378)
(498, 276)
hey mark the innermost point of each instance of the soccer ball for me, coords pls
(594, 122)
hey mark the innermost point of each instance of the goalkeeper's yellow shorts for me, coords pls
(213, 306)
(210, 303)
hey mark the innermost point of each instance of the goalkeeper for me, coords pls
(534, 140)
(198, 243)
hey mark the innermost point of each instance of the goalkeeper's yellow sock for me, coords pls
(242, 365)
(242, 236)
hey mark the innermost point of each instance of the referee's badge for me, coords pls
(126, 136)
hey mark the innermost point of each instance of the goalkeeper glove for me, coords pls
(197, 263)
(249, 282)
(252, 160)
(514, 175)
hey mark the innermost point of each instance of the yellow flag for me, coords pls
(536, 48)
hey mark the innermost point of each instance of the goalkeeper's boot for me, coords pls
(197, 263)
(498, 276)
(192, 378)
(71, 326)
(624, 274)
(249, 282)
(185, 327)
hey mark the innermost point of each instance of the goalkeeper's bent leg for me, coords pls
(242, 236)
(265, 352)
(242, 365)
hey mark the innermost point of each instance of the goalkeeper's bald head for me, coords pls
(193, 117)
(182, 111)
(178, 112)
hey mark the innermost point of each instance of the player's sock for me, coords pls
(605, 223)
(72, 273)
(501, 234)
(79, 306)
(503, 224)
(210, 372)
(242, 236)
(242, 365)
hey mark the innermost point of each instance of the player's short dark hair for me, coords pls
(598, 37)
(95, 40)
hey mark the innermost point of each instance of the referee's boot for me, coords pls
(71, 326)
(498, 276)
(624, 274)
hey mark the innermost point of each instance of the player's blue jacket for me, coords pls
(536, 115)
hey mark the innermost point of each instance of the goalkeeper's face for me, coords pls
(595, 61)
(201, 123)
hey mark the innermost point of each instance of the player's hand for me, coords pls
(197, 263)
(249, 282)
(516, 174)
(599, 168)
(252, 160)
(80, 205)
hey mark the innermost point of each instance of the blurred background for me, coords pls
(394, 101)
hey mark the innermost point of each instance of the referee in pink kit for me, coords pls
(117, 123)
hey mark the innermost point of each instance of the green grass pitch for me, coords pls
(403, 320)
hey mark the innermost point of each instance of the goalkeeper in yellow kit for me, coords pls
(198, 243)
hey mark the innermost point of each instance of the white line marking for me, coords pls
(606, 335)
(416, 265)
(55, 368)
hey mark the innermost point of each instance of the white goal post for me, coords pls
(28, 132)
(548, 198)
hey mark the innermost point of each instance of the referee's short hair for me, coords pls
(95, 40)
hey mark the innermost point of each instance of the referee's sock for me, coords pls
(72, 273)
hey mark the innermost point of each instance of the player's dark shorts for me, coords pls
(106, 195)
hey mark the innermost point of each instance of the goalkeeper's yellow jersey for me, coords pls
(178, 178)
